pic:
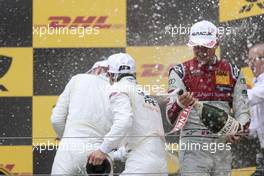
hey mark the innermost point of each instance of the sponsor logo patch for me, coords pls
(222, 78)
(244, 93)
(172, 81)
(243, 81)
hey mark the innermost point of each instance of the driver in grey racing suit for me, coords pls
(215, 82)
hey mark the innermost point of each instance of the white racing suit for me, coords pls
(222, 85)
(256, 101)
(81, 118)
(142, 127)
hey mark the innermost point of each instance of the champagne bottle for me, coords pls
(216, 119)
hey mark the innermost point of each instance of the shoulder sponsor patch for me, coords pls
(179, 70)
(235, 71)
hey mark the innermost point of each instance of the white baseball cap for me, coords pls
(203, 33)
(121, 63)
(97, 64)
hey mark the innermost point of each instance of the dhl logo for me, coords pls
(82, 21)
(248, 7)
(7, 170)
(153, 70)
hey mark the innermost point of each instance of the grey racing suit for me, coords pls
(222, 85)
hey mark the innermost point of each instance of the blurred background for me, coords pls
(36, 62)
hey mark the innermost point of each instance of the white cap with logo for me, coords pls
(121, 63)
(203, 33)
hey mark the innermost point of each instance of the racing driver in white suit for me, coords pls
(81, 118)
(137, 116)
